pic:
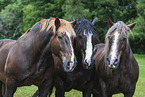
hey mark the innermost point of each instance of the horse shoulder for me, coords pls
(16, 64)
(134, 66)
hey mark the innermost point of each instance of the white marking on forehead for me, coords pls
(114, 47)
(72, 50)
(89, 48)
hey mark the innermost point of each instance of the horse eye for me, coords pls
(60, 38)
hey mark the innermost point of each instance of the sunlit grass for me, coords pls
(140, 88)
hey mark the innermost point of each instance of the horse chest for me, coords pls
(78, 80)
(117, 81)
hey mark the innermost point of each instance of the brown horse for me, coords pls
(29, 60)
(82, 77)
(117, 70)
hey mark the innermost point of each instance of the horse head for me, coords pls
(117, 42)
(62, 43)
(86, 38)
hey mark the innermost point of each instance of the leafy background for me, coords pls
(16, 16)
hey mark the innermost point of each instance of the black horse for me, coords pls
(82, 77)
(117, 70)
(29, 59)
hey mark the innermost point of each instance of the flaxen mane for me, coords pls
(65, 26)
(46, 24)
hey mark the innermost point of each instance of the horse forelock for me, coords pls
(121, 27)
(46, 24)
(84, 25)
(66, 26)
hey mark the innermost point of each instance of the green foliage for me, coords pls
(11, 18)
(138, 44)
(139, 34)
(16, 16)
(76, 9)
(37, 10)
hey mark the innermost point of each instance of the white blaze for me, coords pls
(72, 50)
(114, 47)
(89, 48)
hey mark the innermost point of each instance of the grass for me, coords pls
(140, 87)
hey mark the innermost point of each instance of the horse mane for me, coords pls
(25, 32)
(64, 26)
(84, 25)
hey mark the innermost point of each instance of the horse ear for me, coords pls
(110, 23)
(94, 22)
(131, 26)
(73, 19)
(73, 23)
(57, 23)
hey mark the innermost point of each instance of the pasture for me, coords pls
(140, 88)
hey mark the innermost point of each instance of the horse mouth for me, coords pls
(88, 65)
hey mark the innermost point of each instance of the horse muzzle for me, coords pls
(113, 63)
(89, 64)
(69, 66)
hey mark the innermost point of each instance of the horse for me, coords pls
(29, 60)
(86, 38)
(82, 77)
(117, 70)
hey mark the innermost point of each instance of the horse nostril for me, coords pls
(116, 60)
(86, 63)
(69, 63)
(108, 60)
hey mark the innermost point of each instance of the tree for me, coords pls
(11, 19)
(117, 10)
(43, 9)
(76, 9)
(139, 30)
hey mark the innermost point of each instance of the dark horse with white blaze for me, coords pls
(82, 77)
(117, 70)
(29, 59)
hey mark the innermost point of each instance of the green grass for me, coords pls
(139, 92)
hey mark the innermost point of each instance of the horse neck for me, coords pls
(127, 56)
(35, 41)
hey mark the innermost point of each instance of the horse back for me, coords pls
(5, 41)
